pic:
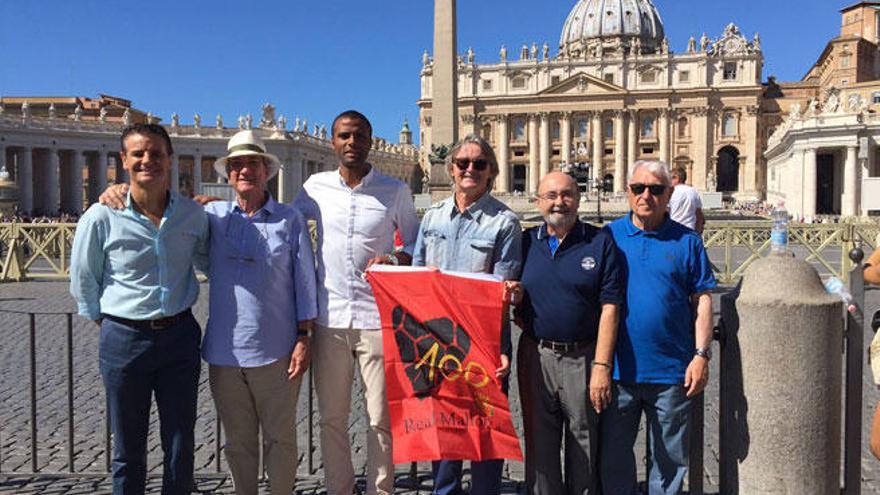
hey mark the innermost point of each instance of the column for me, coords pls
(25, 178)
(197, 174)
(619, 165)
(632, 141)
(53, 190)
(849, 205)
(502, 182)
(809, 190)
(596, 130)
(545, 143)
(751, 185)
(663, 134)
(289, 180)
(76, 182)
(534, 170)
(175, 172)
(565, 134)
(101, 175)
(702, 148)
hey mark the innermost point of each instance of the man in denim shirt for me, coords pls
(471, 232)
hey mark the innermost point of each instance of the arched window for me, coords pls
(728, 125)
(648, 126)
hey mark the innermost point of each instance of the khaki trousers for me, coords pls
(335, 351)
(250, 398)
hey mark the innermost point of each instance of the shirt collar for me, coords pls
(172, 200)
(632, 230)
(365, 181)
(475, 210)
(269, 206)
(578, 231)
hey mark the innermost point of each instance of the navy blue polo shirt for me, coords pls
(565, 290)
(663, 269)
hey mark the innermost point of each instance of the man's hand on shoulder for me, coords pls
(114, 196)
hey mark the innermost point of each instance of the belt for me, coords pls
(157, 324)
(563, 347)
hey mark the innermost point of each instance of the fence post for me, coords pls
(854, 334)
(787, 437)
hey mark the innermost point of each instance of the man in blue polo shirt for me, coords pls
(573, 287)
(663, 345)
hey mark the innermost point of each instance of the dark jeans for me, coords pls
(485, 477)
(136, 363)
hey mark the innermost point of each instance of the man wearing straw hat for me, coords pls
(261, 309)
(262, 304)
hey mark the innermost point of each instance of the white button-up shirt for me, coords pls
(354, 226)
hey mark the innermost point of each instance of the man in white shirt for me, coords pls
(685, 205)
(357, 210)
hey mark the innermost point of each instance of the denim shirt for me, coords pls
(485, 238)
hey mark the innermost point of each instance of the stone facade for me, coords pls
(613, 93)
(823, 132)
(61, 162)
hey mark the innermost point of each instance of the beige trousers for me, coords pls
(335, 352)
(246, 400)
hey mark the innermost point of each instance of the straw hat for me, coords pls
(245, 143)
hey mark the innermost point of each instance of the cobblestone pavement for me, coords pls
(88, 406)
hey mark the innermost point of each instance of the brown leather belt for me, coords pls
(157, 324)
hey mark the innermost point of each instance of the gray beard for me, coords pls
(560, 221)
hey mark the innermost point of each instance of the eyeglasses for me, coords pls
(463, 164)
(553, 196)
(237, 165)
(655, 189)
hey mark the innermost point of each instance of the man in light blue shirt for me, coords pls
(262, 306)
(132, 273)
(472, 232)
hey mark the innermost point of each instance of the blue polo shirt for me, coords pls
(565, 289)
(664, 268)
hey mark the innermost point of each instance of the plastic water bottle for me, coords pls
(779, 233)
(836, 287)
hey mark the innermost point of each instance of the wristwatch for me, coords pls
(392, 259)
(705, 353)
(304, 332)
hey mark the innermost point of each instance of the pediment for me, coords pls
(582, 84)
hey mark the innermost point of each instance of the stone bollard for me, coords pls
(781, 382)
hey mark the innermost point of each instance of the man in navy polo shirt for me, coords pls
(573, 287)
(663, 345)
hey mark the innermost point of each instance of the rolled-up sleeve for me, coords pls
(87, 265)
(303, 263)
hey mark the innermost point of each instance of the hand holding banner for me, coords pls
(441, 339)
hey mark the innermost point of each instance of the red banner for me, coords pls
(442, 342)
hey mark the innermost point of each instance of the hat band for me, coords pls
(246, 147)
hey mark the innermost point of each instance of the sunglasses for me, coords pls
(464, 164)
(655, 189)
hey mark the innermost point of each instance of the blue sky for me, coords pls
(315, 59)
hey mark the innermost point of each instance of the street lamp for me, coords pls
(605, 184)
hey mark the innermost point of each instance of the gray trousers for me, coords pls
(555, 396)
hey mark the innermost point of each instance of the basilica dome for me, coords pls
(612, 25)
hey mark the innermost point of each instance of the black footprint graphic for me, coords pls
(417, 341)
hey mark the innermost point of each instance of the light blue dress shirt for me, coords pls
(485, 238)
(262, 283)
(121, 264)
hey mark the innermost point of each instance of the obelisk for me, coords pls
(444, 90)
